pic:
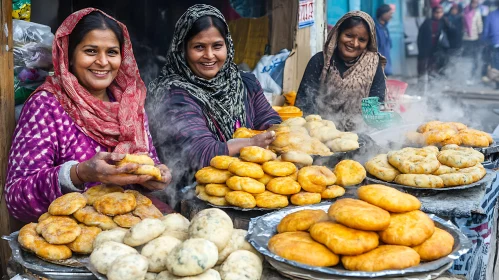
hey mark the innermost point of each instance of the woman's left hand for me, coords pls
(166, 178)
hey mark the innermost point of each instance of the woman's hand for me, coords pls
(263, 140)
(100, 168)
(166, 178)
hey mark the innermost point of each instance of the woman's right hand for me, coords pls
(100, 168)
(263, 139)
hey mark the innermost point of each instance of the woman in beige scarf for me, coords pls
(348, 70)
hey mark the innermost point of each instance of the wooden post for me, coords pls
(7, 121)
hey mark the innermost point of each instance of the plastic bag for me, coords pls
(270, 71)
(32, 45)
(21, 9)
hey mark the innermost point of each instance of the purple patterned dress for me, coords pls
(44, 140)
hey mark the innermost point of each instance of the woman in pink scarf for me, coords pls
(473, 27)
(82, 120)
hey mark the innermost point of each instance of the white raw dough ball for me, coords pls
(241, 265)
(210, 274)
(103, 256)
(212, 224)
(143, 232)
(192, 257)
(129, 267)
(115, 234)
(157, 250)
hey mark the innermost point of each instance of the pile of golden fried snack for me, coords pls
(258, 178)
(287, 112)
(428, 167)
(311, 135)
(444, 133)
(168, 247)
(384, 230)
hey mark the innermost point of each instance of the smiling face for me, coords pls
(352, 42)
(96, 60)
(206, 53)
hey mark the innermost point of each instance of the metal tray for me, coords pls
(484, 181)
(261, 229)
(46, 269)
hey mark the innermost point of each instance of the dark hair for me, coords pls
(383, 9)
(434, 9)
(204, 23)
(353, 22)
(92, 21)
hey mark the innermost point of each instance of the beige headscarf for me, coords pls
(341, 96)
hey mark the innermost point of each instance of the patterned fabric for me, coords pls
(342, 94)
(45, 138)
(119, 125)
(222, 98)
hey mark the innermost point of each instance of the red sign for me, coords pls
(306, 13)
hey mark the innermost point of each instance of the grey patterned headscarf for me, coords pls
(222, 98)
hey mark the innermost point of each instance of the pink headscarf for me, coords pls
(468, 16)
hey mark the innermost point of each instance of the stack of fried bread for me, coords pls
(428, 167)
(146, 165)
(74, 220)
(259, 179)
(287, 112)
(444, 133)
(208, 247)
(382, 231)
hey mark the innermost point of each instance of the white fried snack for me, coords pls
(116, 203)
(29, 239)
(67, 204)
(129, 267)
(241, 264)
(157, 250)
(88, 216)
(458, 158)
(143, 232)
(212, 224)
(299, 158)
(84, 243)
(116, 235)
(256, 154)
(380, 168)
(105, 254)
(414, 161)
(420, 180)
(96, 192)
(343, 145)
(192, 257)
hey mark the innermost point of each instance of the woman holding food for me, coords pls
(82, 120)
(203, 97)
(348, 70)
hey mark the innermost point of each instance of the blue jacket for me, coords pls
(491, 30)
(384, 45)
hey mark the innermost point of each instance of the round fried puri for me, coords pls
(305, 198)
(283, 185)
(210, 175)
(127, 220)
(144, 212)
(29, 239)
(408, 229)
(300, 247)
(342, 240)
(271, 200)
(61, 232)
(67, 204)
(301, 220)
(256, 154)
(333, 191)
(241, 199)
(385, 257)
(116, 203)
(349, 173)
(420, 180)
(279, 168)
(315, 178)
(358, 214)
(140, 198)
(438, 245)
(219, 190)
(222, 162)
(390, 199)
(97, 191)
(88, 216)
(84, 243)
(246, 169)
(246, 184)
(380, 168)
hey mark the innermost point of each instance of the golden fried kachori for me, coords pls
(385, 257)
(246, 184)
(29, 239)
(271, 200)
(140, 198)
(211, 175)
(67, 204)
(279, 168)
(84, 243)
(241, 199)
(301, 220)
(59, 232)
(343, 240)
(315, 178)
(222, 162)
(116, 203)
(305, 198)
(358, 214)
(380, 168)
(90, 217)
(420, 180)
(219, 190)
(438, 245)
(283, 185)
(246, 169)
(408, 229)
(333, 191)
(127, 220)
(147, 211)
(97, 191)
(349, 172)
(388, 198)
(300, 247)
(256, 154)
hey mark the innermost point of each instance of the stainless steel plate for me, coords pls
(261, 229)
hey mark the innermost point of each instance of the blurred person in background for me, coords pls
(491, 38)
(455, 17)
(473, 27)
(383, 16)
(433, 43)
